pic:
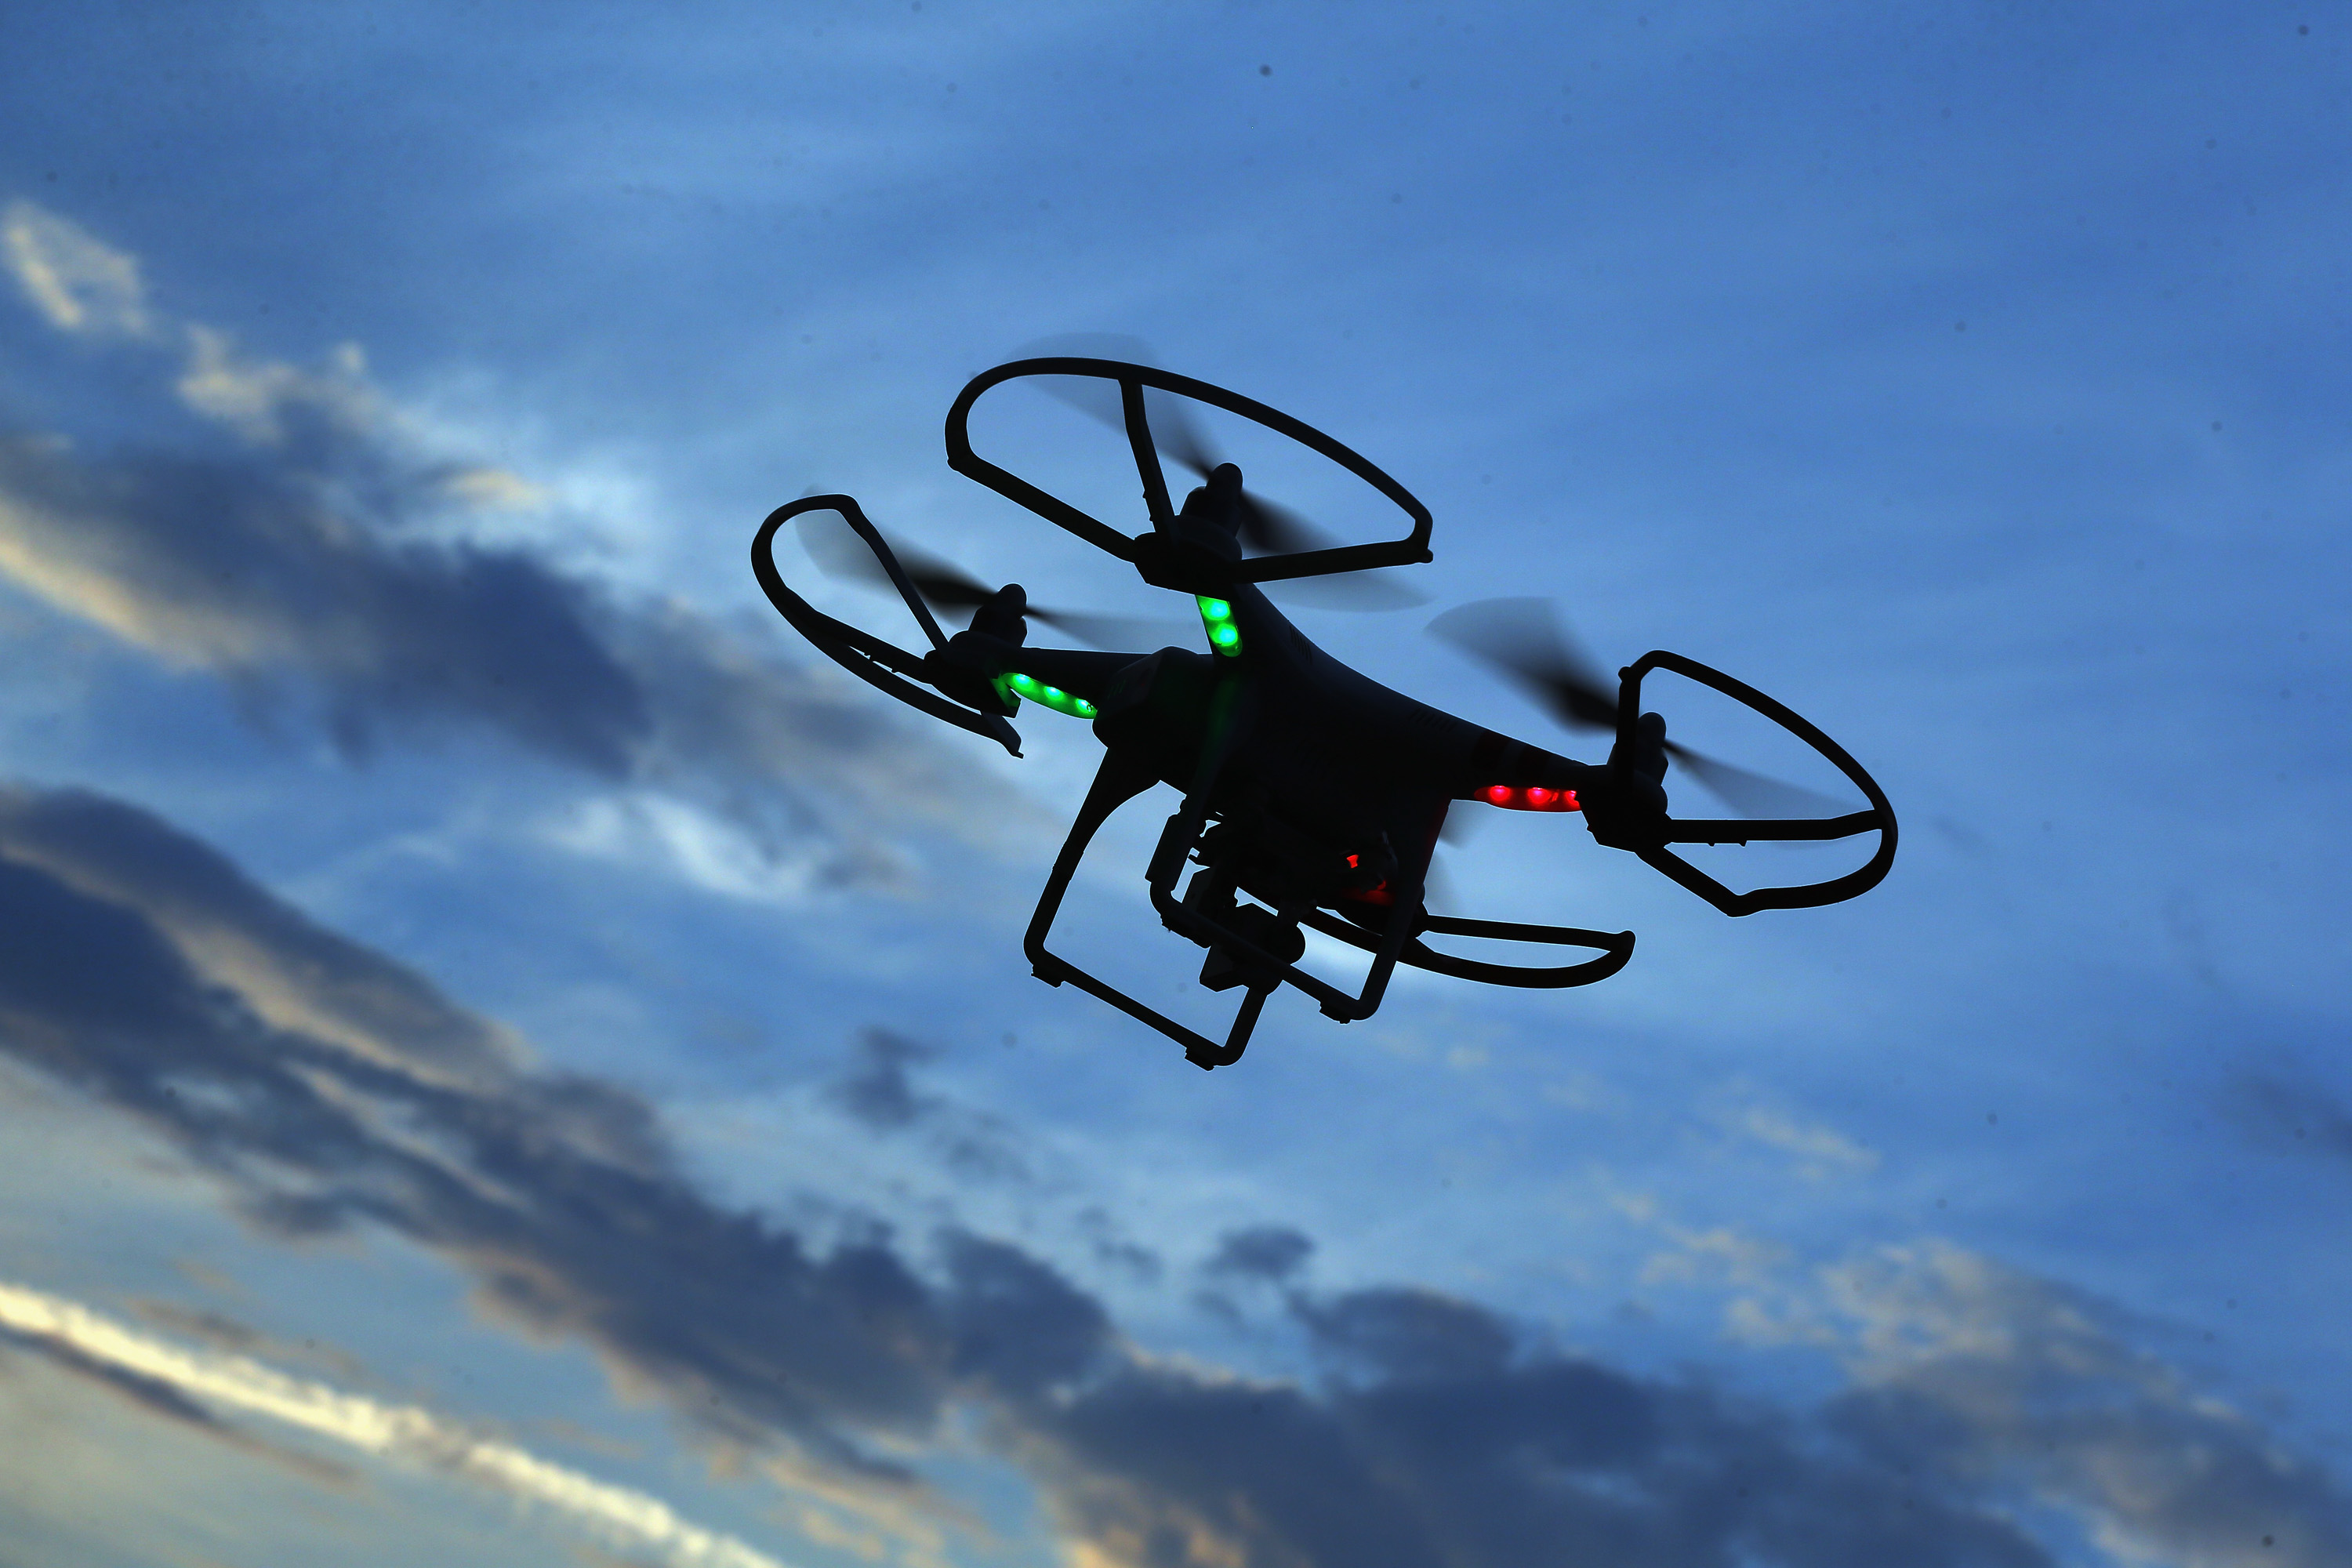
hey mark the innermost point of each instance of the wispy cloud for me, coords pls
(315, 561)
(623, 1517)
(81, 284)
(1978, 1368)
(1817, 1150)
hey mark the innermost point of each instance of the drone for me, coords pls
(1312, 797)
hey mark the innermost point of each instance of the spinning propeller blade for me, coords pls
(1526, 640)
(945, 586)
(1266, 528)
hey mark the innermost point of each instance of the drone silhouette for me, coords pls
(1313, 796)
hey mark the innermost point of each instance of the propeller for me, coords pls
(1265, 527)
(945, 587)
(1524, 640)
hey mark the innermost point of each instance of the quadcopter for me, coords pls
(1312, 796)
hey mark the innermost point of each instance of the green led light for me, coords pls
(1053, 697)
(1217, 617)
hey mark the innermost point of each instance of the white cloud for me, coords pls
(630, 1519)
(254, 397)
(80, 283)
(1818, 1149)
(648, 829)
(1720, 1253)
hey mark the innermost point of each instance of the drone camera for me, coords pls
(1224, 969)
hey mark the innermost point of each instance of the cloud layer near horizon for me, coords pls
(325, 1087)
(183, 1382)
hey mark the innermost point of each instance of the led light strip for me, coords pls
(1217, 617)
(1013, 686)
(1534, 798)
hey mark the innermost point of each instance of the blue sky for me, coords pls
(511, 1054)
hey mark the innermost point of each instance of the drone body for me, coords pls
(1313, 796)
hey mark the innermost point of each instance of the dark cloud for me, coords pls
(260, 571)
(878, 1092)
(1408, 1335)
(1017, 1326)
(2293, 1111)
(1442, 1437)
(308, 571)
(1114, 1249)
(1446, 1446)
(291, 970)
(552, 1193)
(1261, 1252)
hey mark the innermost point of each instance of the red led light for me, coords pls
(1534, 798)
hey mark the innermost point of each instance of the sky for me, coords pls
(509, 1057)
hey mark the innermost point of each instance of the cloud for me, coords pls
(1446, 1440)
(1262, 1252)
(323, 560)
(254, 574)
(1817, 1150)
(79, 282)
(187, 1383)
(877, 1091)
(293, 973)
(554, 1193)
(1436, 1434)
(2293, 1111)
(268, 401)
(1979, 1369)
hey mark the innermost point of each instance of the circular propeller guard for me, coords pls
(1132, 380)
(881, 664)
(1739, 830)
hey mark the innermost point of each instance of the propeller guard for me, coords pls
(1836, 890)
(1410, 549)
(879, 663)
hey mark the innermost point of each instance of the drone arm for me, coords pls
(1516, 776)
(1147, 456)
(1623, 800)
(1075, 671)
